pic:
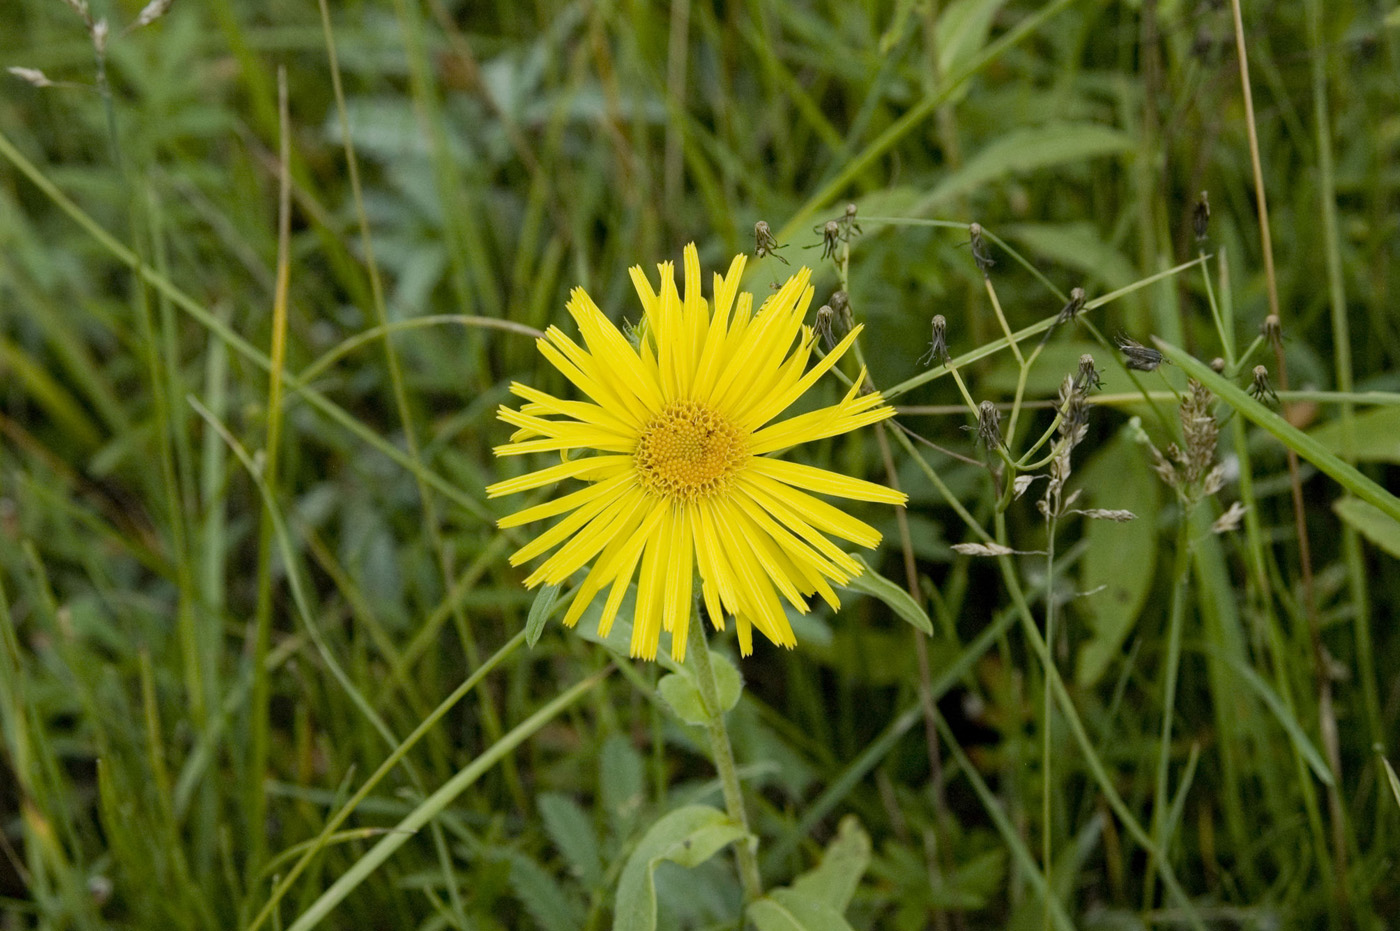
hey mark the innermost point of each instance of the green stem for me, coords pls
(1048, 709)
(1171, 666)
(723, 753)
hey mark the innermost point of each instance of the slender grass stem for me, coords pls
(489, 714)
(255, 803)
(1171, 666)
(1047, 711)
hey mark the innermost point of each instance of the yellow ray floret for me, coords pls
(676, 440)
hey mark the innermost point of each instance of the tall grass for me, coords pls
(266, 272)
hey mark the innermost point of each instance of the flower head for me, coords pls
(680, 434)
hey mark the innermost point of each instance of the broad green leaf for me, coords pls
(1382, 530)
(688, 836)
(540, 611)
(572, 832)
(729, 683)
(1375, 437)
(842, 866)
(962, 31)
(683, 695)
(1080, 246)
(1024, 150)
(789, 910)
(620, 783)
(870, 582)
(682, 692)
(1119, 559)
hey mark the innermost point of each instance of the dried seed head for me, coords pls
(1021, 482)
(1087, 377)
(1138, 357)
(1200, 431)
(1214, 481)
(31, 76)
(1164, 468)
(980, 255)
(1200, 217)
(152, 12)
(1273, 330)
(99, 36)
(841, 305)
(849, 226)
(983, 549)
(1067, 313)
(831, 237)
(1074, 413)
(1072, 428)
(938, 345)
(989, 424)
(1230, 520)
(1217, 365)
(765, 244)
(1071, 309)
(825, 318)
(1191, 470)
(1259, 387)
(1117, 516)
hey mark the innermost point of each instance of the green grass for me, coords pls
(261, 652)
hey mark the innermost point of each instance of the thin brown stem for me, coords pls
(1327, 717)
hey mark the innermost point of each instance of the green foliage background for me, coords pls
(189, 689)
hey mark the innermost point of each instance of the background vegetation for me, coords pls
(244, 544)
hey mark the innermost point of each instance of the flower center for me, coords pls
(689, 451)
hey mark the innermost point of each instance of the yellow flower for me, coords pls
(682, 474)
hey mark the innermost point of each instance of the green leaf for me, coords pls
(620, 783)
(1375, 436)
(870, 582)
(542, 895)
(898, 26)
(1287, 434)
(1367, 520)
(1290, 724)
(540, 611)
(847, 856)
(572, 832)
(1024, 150)
(962, 31)
(683, 695)
(729, 683)
(688, 836)
(682, 692)
(1119, 559)
(790, 910)
(1080, 246)
(1393, 779)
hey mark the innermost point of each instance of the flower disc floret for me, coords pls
(689, 451)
